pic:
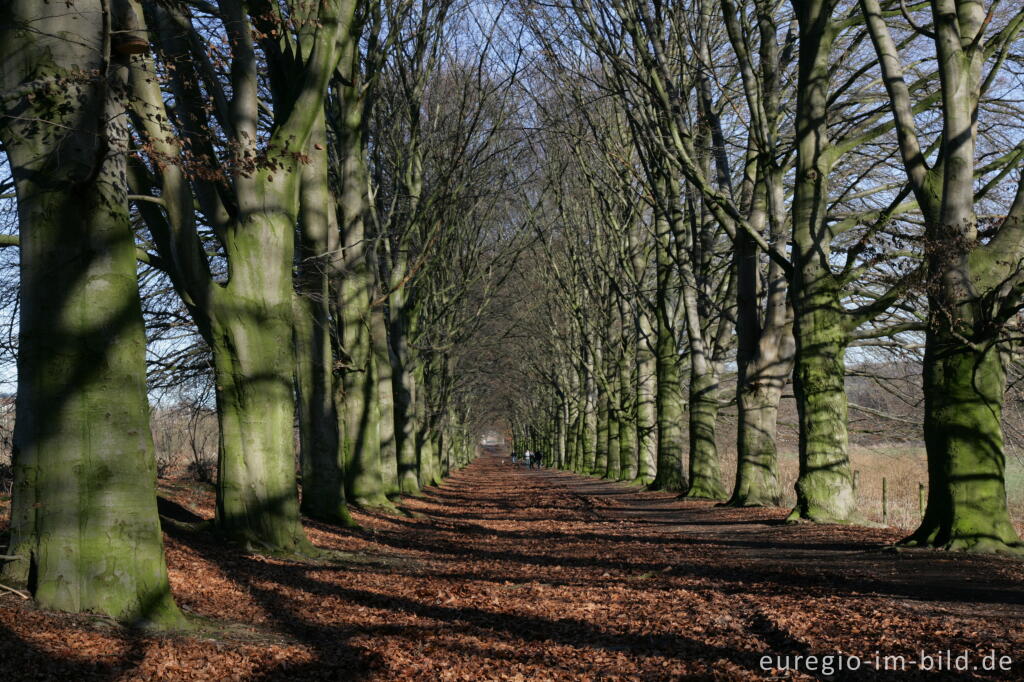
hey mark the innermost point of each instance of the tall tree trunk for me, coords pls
(383, 376)
(613, 460)
(563, 433)
(404, 392)
(354, 283)
(591, 431)
(757, 472)
(353, 277)
(970, 299)
(323, 479)
(825, 486)
(601, 444)
(247, 322)
(669, 405)
(602, 411)
(251, 336)
(584, 435)
(429, 462)
(628, 441)
(84, 517)
(764, 361)
(764, 335)
(646, 391)
(705, 468)
(963, 390)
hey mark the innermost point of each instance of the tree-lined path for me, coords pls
(274, 272)
(506, 573)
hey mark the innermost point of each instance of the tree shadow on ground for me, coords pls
(20, 657)
(760, 561)
(335, 654)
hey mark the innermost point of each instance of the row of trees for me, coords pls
(389, 225)
(761, 190)
(314, 196)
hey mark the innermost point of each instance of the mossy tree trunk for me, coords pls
(84, 518)
(967, 507)
(353, 283)
(591, 433)
(564, 431)
(429, 457)
(257, 502)
(247, 322)
(973, 289)
(603, 406)
(670, 406)
(824, 487)
(629, 464)
(404, 394)
(764, 336)
(825, 484)
(323, 479)
(757, 474)
(613, 461)
(705, 469)
(646, 392)
(601, 445)
(764, 359)
(584, 434)
(383, 376)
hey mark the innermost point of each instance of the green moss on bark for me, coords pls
(705, 469)
(84, 516)
(757, 473)
(967, 508)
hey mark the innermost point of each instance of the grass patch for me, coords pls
(903, 466)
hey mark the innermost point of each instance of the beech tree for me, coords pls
(975, 278)
(248, 192)
(85, 535)
(825, 488)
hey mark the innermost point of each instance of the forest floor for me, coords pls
(506, 573)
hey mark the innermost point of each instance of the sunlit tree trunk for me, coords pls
(383, 375)
(646, 391)
(974, 290)
(613, 463)
(323, 480)
(601, 439)
(84, 519)
(764, 357)
(353, 283)
(563, 433)
(247, 322)
(591, 432)
(670, 406)
(825, 484)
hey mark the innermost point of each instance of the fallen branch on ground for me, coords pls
(23, 595)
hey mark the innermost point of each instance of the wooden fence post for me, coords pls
(885, 501)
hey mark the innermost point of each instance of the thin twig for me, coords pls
(23, 595)
(906, 15)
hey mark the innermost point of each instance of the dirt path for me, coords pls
(509, 573)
